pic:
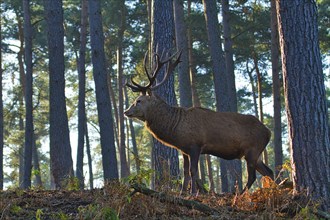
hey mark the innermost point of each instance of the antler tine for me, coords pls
(136, 87)
(145, 64)
(170, 67)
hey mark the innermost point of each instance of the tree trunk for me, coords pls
(210, 172)
(89, 158)
(220, 79)
(133, 138)
(28, 97)
(22, 80)
(60, 149)
(254, 90)
(195, 98)
(217, 178)
(82, 94)
(182, 44)
(124, 170)
(165, 158)
(36, 166)
(275, 55)
(115, 109)
(260, 105)
(21, 147)
(1, 111)
(108, 150)
(305, 98)
(228, 46)
(235, 165)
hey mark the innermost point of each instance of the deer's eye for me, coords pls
(138, 102)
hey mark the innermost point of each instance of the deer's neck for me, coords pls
(163, 120)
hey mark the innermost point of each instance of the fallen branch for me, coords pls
(164, 197)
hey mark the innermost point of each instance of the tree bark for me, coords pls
(221, 87)
(28, 97)
(235, 165)
(133, 138)
(89, 158)
(21, 97)
(124, 170)
(35, 162)
(109, 159)
(1, 111)
(194, 93)
(305, 98)
(182, 44)
(275, 55)
(82, 94)
(60, 149)
(260, 105)
(166, 159)
(210, 172)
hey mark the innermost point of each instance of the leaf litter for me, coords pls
(119, 201)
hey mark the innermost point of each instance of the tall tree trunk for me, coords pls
(115, 109)
(82, 94)
(220, 85)
(195, 98)
(133, 138)
(305, 98)
(35, 162)
(166, 158)
(275, 55)
(28, 97)
(182, 44)
(1, 111)
(124, 170)
(22, 80)
(260, 105)
(235, 167)
(89, 158)
(109, 159)
(21, 147)
(210, 172)
(228, 46)
(254, 90)
(20, 55)
(60, 149)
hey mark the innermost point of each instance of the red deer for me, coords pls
(196, 131)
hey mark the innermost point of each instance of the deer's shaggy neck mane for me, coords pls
(162, 120)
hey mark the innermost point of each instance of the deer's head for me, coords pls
(146, 100)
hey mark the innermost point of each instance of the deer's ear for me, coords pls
(149, 93)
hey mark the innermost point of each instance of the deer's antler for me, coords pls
(159, 63)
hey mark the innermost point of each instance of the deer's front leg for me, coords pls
(186, 173)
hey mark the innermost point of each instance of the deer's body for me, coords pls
(224, 134)
(196, 131)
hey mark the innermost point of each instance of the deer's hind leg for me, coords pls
(264, 170)
(251, 159)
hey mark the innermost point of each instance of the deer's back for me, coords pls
(226, 129)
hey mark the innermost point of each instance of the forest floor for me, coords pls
(121, 201)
